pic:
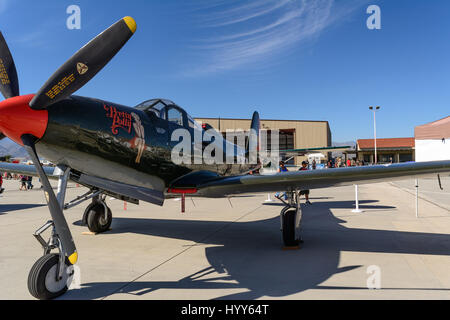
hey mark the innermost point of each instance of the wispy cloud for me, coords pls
(32, 39)
(245, 12)
(3, 5)
(246, 33)
(38, 37)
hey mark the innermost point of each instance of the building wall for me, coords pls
(308, 134)
(397, 155)
(431, 150)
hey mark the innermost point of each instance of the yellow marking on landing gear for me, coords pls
(73, 258)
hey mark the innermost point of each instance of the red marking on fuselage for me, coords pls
(182, 190)
(121, 119)
(17, 118)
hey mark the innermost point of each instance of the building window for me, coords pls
(386, 158)
(405, 157)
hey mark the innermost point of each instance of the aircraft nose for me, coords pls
(17, 118)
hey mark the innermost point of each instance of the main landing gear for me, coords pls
(97, 215)
(52, 274)
(290, 217)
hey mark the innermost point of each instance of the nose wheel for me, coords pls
(45, 281)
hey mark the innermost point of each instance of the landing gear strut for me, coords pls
(51, 274)
(290, 217)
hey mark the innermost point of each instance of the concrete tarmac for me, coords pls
(232, 249)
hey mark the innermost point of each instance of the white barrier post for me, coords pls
(356, 200)
(417, 198)
(268, 198)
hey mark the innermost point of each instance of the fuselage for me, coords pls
(119, 143)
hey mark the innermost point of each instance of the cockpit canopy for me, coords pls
(168, 110)
(155, 106)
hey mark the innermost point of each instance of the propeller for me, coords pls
(9, 84)
(71, 76)
(84, 64)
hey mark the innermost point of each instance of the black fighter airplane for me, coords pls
(126, 153)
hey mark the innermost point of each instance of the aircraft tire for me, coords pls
(289, 239)
(42, 283)
(96, 218)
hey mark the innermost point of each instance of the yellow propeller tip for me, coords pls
(73, 258)
(130, 23)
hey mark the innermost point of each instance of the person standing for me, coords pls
(281, 168)
(304, 192)
(23, 182)
(29, 184)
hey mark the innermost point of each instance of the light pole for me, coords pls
(375, 129)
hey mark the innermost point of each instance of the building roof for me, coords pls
(391, 143)
(434, 130)
(248, 119)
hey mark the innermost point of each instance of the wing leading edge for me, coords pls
(314, 179)
(29, 170)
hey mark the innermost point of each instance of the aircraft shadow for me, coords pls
(249, 253)
(5, 208)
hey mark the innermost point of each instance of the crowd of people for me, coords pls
(332, 163)
(339, 163)
(25, 181)
(282, 168)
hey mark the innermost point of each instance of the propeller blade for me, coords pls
(9, 83)
(59, 221)
(84, 64)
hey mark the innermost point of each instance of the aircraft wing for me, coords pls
(119, 190)
(29, 170)
(314, 179)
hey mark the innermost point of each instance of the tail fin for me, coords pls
(252, 147)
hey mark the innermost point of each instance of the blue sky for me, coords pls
(302, 59)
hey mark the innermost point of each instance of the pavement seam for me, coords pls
(181, 252)
(420, 197)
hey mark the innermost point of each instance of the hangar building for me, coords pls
(293, 134)
(390, 150)
(433, 140)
